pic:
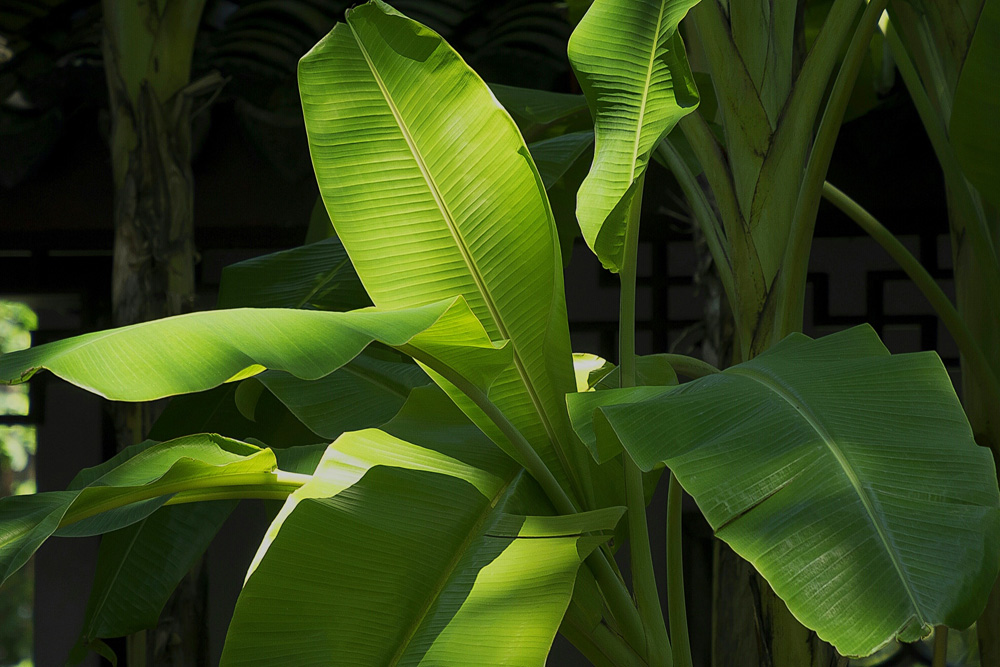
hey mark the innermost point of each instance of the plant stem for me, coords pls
(918, 274)
(610, 583)
(705, 216)
(135, 645)
(619, 601)
(676, 605)
(792, 278)
(689, 366)
(601, 646)
(527, 456)
(940, 646)
(983, 248)
(644, 579)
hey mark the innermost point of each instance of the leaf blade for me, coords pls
(631, 64)
(866, 531)
(200, 351)
(390, 108)
(425, 571)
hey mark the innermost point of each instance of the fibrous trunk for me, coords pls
(153, 277)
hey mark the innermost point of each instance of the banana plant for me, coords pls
(946, 55)
(472, 520)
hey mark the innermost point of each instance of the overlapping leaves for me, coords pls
(847, 476)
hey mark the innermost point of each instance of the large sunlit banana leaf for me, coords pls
(630, 61)
(126, 489)
(431, 420)
(140, 565)
(974, 130)
(848, 477)
(433, 193)
(367, 391)
(199, 351)
(318, 275)
(396, 554)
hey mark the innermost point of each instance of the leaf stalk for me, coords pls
(942, 305)
(676, 604)
(791, 280)
(646, 594)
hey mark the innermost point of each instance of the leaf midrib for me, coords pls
(324, 282)
(357, 368)
(464, 250)
(475, 532)
(90, 630)
(779, 389)
(645, 89)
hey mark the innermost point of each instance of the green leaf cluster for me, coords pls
(451, 474)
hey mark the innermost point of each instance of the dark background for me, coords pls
(254, 194)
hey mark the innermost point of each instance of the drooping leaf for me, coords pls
(430, 568)
(365, 392)
(848, 477)
(462, 209)
(318, 275)
(630, 61)
(974, 130)
(126, 489)
(199, 351)
(139, 566)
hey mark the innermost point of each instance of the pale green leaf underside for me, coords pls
(631, 64)
(199, 351)
(848, 477)
(429, 568)
(434, 194)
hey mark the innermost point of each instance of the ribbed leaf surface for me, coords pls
(848, 477)
(434, 194)
(365, 392)
(631, 64)
(139, 566)
(199, 351)
(399, 555)
(126, 489)
(318, 275)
